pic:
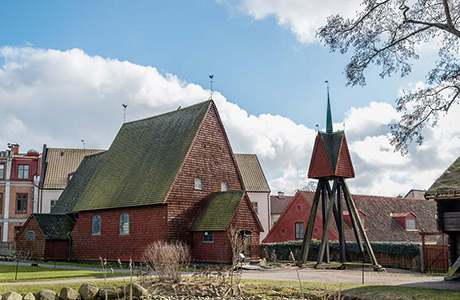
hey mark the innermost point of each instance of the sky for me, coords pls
(67, 66)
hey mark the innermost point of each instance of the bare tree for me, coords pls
(311, 186)
(386, 33)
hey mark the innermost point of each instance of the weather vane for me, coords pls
(124, 112)
(84, 145)
(210, 80)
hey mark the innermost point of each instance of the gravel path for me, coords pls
(391, 277)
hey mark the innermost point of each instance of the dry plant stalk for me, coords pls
(237, 245)
(167, 259)
(104, 272)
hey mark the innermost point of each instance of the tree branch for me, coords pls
(447, 12)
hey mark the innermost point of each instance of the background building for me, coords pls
(19, 179)
(256, 186)
(59, 164)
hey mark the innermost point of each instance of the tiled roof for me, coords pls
(253, 176)
(77, 184)
(447, 185)
(54, 226)
(400, 214)
(381, 226)
(218, 211)
(279, 204)
(60, 163)
(143, 160)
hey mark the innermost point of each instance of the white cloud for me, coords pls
(302, 17)
(61, 97)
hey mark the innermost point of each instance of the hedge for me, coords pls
(282, 250)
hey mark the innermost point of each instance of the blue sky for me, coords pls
(257, 64)
(66, 67)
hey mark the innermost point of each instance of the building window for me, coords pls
(30, 236)
(21, 203)
(96, 225)
(52, 204)
(1, 203)
(363, 221)
(208, 237)
(2, 171)
(299, 230)
(255, 206)
(17, 229)
(23, 171)
(224, 186)
(124, 224)
(197, 184)
(410, 224)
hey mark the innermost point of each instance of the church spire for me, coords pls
(329, 113)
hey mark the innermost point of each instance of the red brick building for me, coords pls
(385, 219)
(158, 179)
(19, 178)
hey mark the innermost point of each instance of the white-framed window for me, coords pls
(2, 171)
(124, 224)
(410, 224)
(299, 230)
(30, 236)
(255, 205)
(96, 225)
(224, 186)
(198, 184)
(52, 204)
(23, 171)
(363, 221)
(208, 237)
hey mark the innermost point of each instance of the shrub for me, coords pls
(167, 259)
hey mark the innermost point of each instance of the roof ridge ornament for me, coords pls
(329, 128)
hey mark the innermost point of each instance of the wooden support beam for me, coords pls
(324, 209)
(354, 226)
(336, 217)
(354, 213)
(310, 225)
(453, 270)
(342, 243)
(323, 244)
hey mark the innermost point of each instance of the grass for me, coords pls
(315, 290)
(7, 274)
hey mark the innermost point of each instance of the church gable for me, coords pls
(209, 161)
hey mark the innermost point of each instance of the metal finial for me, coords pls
(317, 127)
(212, 91)
(124, 112)
(84, 144)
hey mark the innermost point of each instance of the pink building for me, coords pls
(19, 179)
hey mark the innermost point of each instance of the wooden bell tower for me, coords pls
(331, 162)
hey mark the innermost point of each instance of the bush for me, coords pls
(282, 250)
(167, 259)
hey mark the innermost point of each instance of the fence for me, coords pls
(7, 249)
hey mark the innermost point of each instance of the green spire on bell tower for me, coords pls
(329, 113)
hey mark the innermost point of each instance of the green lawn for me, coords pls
(7, 274)
(314, 290)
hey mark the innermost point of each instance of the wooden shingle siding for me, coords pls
(210, 159)
(36, 247)
(146, 225)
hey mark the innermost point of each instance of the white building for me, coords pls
(256, 186)
(58, 166)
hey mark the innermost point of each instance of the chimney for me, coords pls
(280, 194)
(15, 148)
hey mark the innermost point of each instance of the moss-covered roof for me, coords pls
(447, 185)
(78, 183)
(54, 226)
(218, 211)
(143, 160)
